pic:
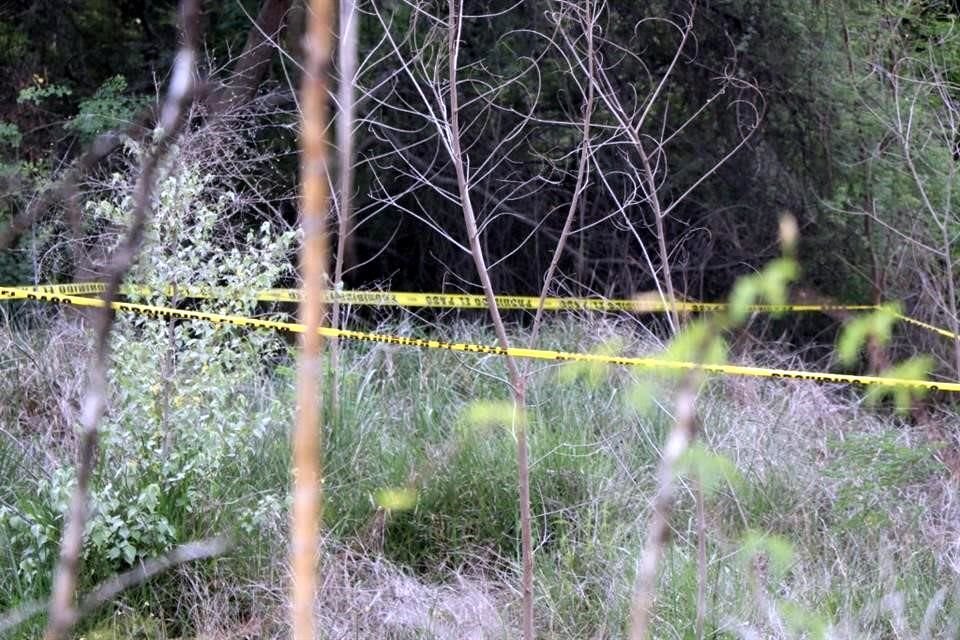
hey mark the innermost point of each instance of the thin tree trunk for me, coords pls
(308, 431)
(516, 379)
(347, 46)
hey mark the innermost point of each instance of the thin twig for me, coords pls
(581, 185)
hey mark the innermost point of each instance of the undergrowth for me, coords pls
(835, 520)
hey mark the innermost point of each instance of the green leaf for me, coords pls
(768, 286)
(486, 413)
(641, 395)
(396, 499)
(916, 368)
(803, 621)
(777, 550)
(877, 324)
(710, 469)
(699, 342)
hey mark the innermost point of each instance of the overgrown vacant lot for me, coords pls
(737, 219)
(818, 513)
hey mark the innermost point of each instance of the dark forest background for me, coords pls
(809, 88)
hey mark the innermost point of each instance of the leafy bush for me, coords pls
(40, 91)
(185, 402)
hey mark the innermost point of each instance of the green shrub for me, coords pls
(111, 107)
(188, 404)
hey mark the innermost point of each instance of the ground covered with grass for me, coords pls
(803, 512)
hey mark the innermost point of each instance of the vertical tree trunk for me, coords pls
(516, 379)
(308, 432)
(347, 58)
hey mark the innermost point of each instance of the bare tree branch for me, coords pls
(587, 20)
(517, 382)
(108, 590)
(658, 529)
(253, 62)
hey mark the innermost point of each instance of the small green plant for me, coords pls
(40, 91)
(878, 326)
(111, 107)
(10, 134)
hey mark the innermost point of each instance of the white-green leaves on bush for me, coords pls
(802, 621)
(187, 403)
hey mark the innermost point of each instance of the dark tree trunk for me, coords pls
(251, 67)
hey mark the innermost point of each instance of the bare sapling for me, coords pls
(648, 167)
(516, 378)
(466, 128)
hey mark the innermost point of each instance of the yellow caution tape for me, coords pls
(77, 289)
(929, 327)
(539, 354)
(448, 300)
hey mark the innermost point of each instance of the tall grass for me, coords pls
(856, 493)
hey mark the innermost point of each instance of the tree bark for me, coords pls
(252, 65)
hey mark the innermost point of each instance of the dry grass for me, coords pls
(47, 369)
(802, 451)
(362, 595)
